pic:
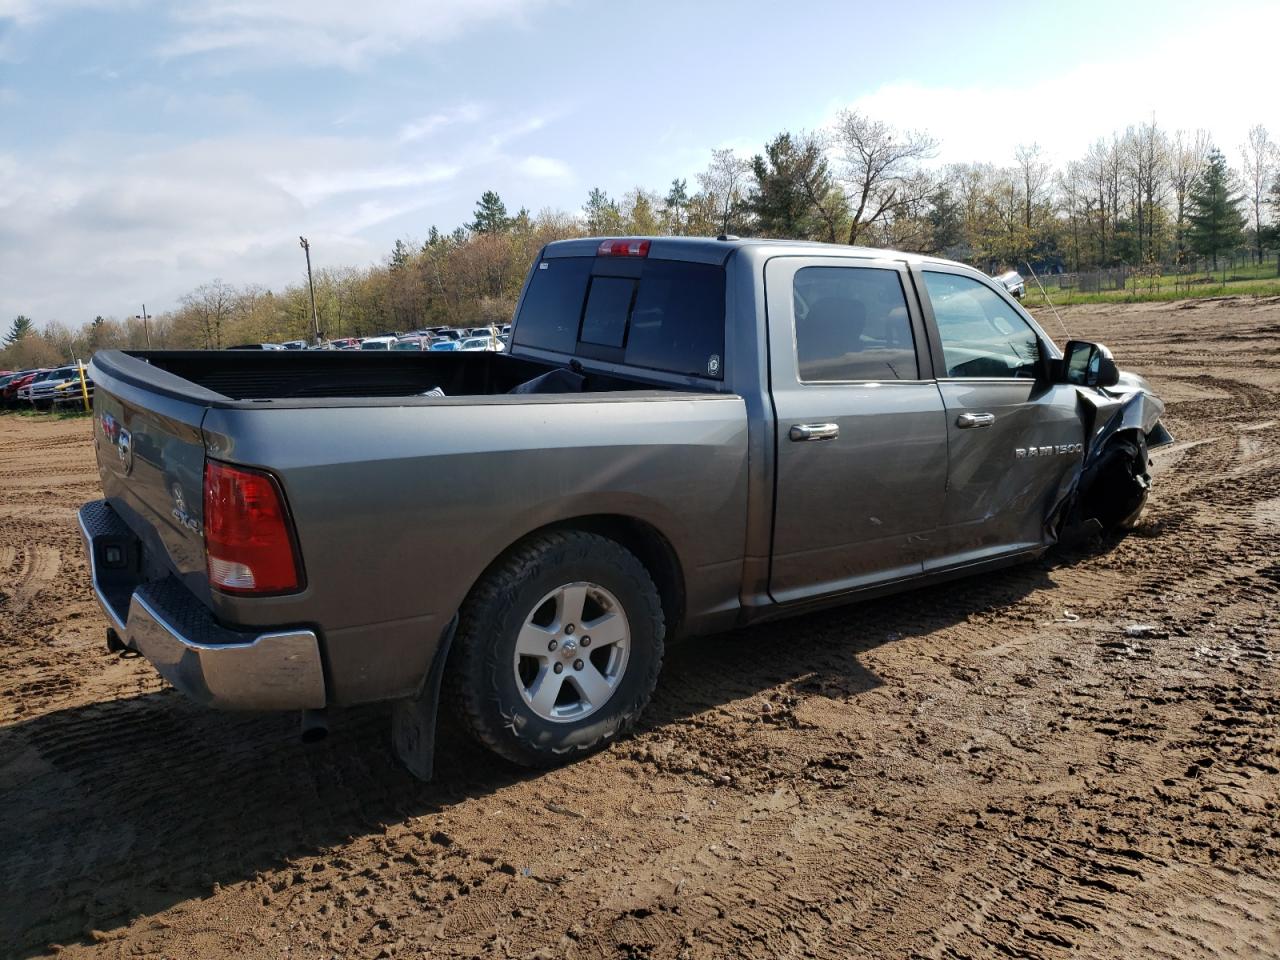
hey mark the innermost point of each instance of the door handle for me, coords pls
(815, 431)
(967, 420)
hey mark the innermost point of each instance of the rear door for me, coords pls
(861, 436)
(1014, 438)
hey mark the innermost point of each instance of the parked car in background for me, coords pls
(411, 343)
(445, 345)
(256, 346)
(295, 344)
(377, 343)
(43, 389)
(9, 392)
(25, 391)
(1013, 282)
(476, 343)
(70, 394)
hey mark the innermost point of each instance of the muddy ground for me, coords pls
(1077, 757)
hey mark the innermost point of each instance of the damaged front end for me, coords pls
(1109, 489)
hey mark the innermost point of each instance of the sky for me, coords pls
(147, 147)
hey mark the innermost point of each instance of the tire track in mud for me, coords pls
(960, 771)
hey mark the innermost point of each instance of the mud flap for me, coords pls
(413, 719)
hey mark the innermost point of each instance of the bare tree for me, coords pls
(878, 164)
(1034, 174)
(1260, 161)
(1145, 165)
(211, 304)
(1187, 158)
(1073, 189)
(722, 182)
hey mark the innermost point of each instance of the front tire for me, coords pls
(558, 649)
(1118, 492)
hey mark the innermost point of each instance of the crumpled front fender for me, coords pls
(1129, 406)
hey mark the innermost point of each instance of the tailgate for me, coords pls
(150, 454)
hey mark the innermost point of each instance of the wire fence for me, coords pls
(1190, 273)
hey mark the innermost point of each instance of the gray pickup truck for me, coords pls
(686, 436)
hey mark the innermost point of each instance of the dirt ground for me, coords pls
(1077, 757)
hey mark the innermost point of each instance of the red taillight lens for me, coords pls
(248, 537)
(623, 248)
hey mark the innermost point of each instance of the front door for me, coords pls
(861, 438)
(1015, 439)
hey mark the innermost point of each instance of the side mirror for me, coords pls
(1087, 364)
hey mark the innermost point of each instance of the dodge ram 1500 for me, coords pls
(685, 436)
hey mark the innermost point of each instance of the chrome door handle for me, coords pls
(815, 431)
(967, 420)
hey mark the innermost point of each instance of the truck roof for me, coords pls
(715, 250)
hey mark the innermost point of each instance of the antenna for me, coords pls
(1045, 294)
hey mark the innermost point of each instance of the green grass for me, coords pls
(62, 413)
(1157, 289)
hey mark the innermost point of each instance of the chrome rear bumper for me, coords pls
(167, 624)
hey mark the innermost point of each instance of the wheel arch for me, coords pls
(650, 546)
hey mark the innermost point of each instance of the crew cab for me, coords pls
(686, 436)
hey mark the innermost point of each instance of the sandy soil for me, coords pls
(1077, 757)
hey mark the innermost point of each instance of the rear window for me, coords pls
(665, 315)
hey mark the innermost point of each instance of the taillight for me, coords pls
(248, 537)
(623, 248)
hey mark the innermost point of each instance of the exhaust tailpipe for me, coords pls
(315, 725)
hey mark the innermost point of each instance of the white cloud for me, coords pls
(101, 222)
(544, 168)
(313, 186)
(423, 127)
(329, 32)
(29, 11)
(1067, 109)
(118, 227)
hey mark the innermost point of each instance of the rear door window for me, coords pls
(669, 318)
(852, 324)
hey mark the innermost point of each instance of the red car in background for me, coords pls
(9, 388)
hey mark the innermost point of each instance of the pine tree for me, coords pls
(400, 256)
(794, 192)
(601, 213)
(946, 221)
(22, 326)
(676, 207)
(491, 214)
(1216, 223)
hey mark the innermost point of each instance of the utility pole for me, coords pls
(145, 328)
(315, 317)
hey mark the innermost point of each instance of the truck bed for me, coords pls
(320, 374)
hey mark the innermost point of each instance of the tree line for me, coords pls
(1142, 197)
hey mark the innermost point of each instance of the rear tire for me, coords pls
(527, 679)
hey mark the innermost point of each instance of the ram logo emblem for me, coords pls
(1052, 450)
